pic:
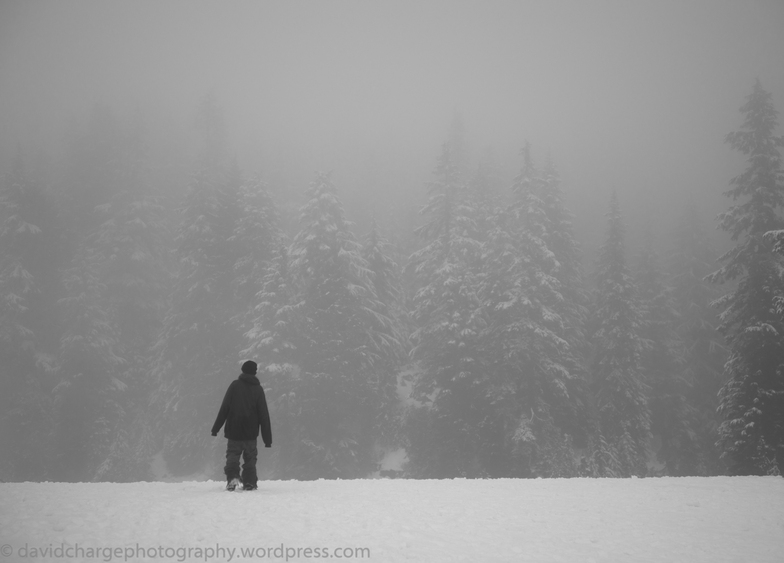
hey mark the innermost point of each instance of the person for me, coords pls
(244, 411)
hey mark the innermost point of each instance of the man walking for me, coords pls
(244, 410)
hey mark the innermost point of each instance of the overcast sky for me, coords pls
(629, 95)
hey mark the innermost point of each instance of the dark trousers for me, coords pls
(246, 449)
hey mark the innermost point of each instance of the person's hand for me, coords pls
(267, 445)
(214, 433)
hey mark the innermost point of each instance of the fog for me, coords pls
(635, 97)
(631, 98)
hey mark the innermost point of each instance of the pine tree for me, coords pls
(386, 277)
(573, 305)
(619, 388)
(448, 317)
(533, 366)
(114, 294)
(692, 260)
(674, 421)
(28, 321)
(131, 255)
(344, 336)
(201, 336)
(752, 400)
(273, 338)
(90, 396)
(265, 293)
(258, 238)
(508, 427)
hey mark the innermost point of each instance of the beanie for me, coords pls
(249, 367)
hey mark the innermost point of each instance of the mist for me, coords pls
(631, 98)
(635, 98)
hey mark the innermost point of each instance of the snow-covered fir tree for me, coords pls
(265, 292)
(447, 313)
(258, 238)
(705, 353)
(273, 340)
(619, 389)
(572, 307)
(28, 322)
(113, 304)
(752, 400)
(131, 256)
(674, 421)
(534, 399)
(344, 335)
(386, 277)
(197, 351)
(87, 358)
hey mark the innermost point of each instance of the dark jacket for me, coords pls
(244, 410)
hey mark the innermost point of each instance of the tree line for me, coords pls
(480, 346)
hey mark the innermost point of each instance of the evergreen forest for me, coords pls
(468, 334)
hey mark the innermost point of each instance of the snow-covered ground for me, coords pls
(670, 520)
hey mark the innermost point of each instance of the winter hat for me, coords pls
(249, 367)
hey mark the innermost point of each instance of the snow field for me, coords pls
(694, 520)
